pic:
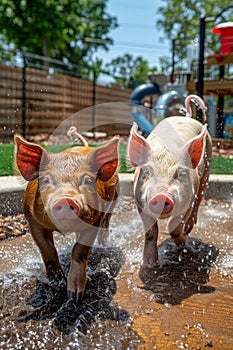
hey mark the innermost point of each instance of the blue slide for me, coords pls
(166, 100)
(142, 122)
(163, 102)
(138, 94)
(137, 99)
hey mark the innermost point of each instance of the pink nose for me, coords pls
(65, 208)
(161, 204)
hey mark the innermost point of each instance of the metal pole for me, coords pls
(24, 96)
(173, 61)
(220, 111)
(200, 83)
(93, 99)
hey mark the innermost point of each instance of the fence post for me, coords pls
(93, 98)
(200, 83)
(24, 97)
(220, 111)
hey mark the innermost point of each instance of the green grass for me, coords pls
(6, 159)
(219, 165)
(222, 166)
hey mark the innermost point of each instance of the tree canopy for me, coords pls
(180, 20)
(129, 71)
(61, 29)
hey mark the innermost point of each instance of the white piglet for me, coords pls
(172, 170)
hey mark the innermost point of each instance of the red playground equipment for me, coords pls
(226, 32)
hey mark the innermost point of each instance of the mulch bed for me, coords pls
(13, 226)
(222, 152)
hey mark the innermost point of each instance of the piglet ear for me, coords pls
(28, 157)
(138, 148)
(104, 159)
(195, 148)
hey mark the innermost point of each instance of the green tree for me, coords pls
(180, 20)
(128, 71)
(61, 29)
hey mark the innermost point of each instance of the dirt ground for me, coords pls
(185, 301)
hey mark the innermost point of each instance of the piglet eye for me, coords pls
(181, 175)
(145, 173)
(87, 180)
(45, 181)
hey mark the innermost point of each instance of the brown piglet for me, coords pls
(71, 191)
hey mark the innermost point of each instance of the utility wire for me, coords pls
(140, 45)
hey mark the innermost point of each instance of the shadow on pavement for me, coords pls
(103, 267)
(180, 272)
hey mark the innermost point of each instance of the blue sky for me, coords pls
(137, 33)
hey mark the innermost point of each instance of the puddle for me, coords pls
(185, 301)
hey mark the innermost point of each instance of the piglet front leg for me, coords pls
(68, 313)
(150, 252)
(77, 272)
(44, 240)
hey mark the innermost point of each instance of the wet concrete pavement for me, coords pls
(185, 301)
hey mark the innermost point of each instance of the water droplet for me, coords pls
(167, 305)
(149, 311)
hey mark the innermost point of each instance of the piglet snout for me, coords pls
(65, 208)
(161, 204)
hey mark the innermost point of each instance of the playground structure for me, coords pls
(163, 98)
(169, 97)
(218, 80)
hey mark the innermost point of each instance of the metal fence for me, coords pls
(38, 93)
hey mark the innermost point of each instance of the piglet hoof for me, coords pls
(150, 262)
(179, 239)
(149, 265)
(150, 258)
(76, 297)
